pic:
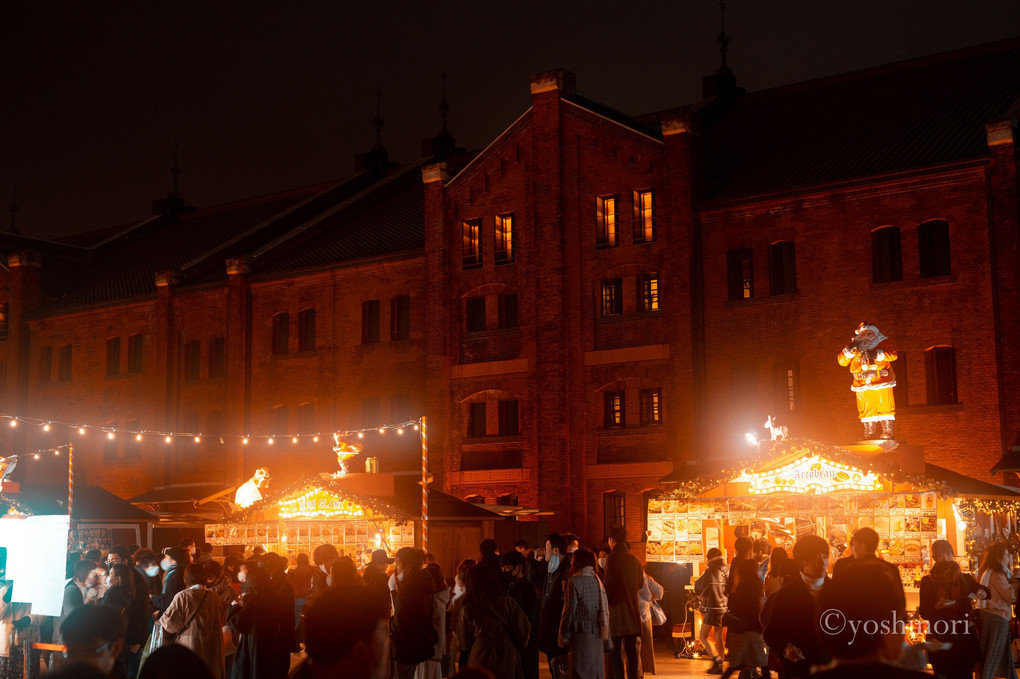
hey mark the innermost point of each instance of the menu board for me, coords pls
(355, 538)
(906, 523)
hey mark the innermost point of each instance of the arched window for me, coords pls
(886, 265)
(933, 248)
(281, 420)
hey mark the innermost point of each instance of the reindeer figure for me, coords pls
(779, 433)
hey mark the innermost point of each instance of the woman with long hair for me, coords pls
(253, 618)
(743, 621)
(584, 624)
(196, 616)
(996, 612)
(945, 598)
(493, 626)
(774, 578)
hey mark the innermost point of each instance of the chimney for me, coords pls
(560, 80)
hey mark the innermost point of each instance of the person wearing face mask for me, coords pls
(196, 617)
(173, 563)
(346, 636)
(139, 610)
(515, 567)
(94, 637)
(147, 564)
(189, 546)
(323, 556)
(552, 574)
(600, 563)
(119, 595)
(792, 629)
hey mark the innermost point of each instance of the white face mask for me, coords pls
(109, 582)
(242, 576)
(329, 581)
(602, 562)
(152, 571)
(554, 562)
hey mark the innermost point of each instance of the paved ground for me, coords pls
(666, 666)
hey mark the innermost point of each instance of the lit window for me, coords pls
(612, 297)
(886, 265)
(505, 238)
(5, 315)
(472, 243)
(605, 217)
(782, 268)
(940, 374)
(787, 387)
(933, 248)
(281, 333)
(648, 292)
(651, 407)
(613, 511)
(644, 217)
(613, 411)
(740, 274)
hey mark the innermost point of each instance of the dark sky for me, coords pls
(269, 96)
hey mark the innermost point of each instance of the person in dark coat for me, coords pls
(871, 597)
(744, 548)
(375, 576)
(414, 636)
(174, 561)
(283, 604)
(552, 574)
(863, 548)
(147, 563)
(493, 626)
(792, 618)
(119, 596)
(514, 565)
(139, 617)
(74, 594)
(254, 618)
(624, 579)
(324, 556)
(945, 602)
(346, 635)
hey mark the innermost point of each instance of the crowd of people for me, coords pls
(783, 612)
(134, 613)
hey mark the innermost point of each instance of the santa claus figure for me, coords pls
(873, 379)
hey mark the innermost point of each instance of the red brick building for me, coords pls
(580, 308)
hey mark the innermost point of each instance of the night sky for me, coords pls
(265, 97)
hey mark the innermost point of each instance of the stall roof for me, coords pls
(183, 492)
(966, 486)
(91, 503)
(327, 483)
(1010, 462)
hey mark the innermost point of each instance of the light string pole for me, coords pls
(70, 481)
(424, 485)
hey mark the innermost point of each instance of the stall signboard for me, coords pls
(318, 503)
(813, 474)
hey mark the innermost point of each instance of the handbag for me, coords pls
(658, 615)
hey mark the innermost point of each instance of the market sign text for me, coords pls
(813, 474)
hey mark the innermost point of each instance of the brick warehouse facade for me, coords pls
(580, 308)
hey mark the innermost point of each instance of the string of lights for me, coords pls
(111, 433)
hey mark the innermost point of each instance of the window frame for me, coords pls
(614, 409)
(644, 224)
(782, 268)
(218, 356)
(740, 274)
(504, 236)
(113, 356)
(400, 318)
(611, 297)
(940, 375)
(475, 426)
(509, 416)
(306, 330)
(607, 231)
(281, 334)
(135, 353)
(471, 243)
(886, 255)
(614, 511)
(65, 364)
(650, 403)
(192, 368)
(648, 292)
(934, 249)
(371, 310)
(509, 310)
(474, 313)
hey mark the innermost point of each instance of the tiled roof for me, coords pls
(893, 118)
(387, 219)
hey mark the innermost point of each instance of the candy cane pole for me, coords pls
(70, 478)
(424, 485)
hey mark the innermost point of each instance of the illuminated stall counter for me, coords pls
(321, 509)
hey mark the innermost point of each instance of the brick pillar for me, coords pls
(1004, 224)
(439, 328)
(166, 348)
(237, 343)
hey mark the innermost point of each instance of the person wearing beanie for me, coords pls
(711, 587)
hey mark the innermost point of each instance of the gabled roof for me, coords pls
(894, 118)
(91, 503)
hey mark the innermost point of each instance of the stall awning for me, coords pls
(91, 503)
(965, 486)
(1010, 462)
(196, 493)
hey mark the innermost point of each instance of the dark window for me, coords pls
(113, 357)
(476, 419)
(306, 419)
(505, 238)
(472, 243)
(605, 222)
(110, 444)
(475, 499)
(612, 297)
(135, 353)
(507, 500)
(46, 365)
(613, 512)
(370, 322)
(644, 217)
(281, 333)
(886, 264)
(370, 412)
(787, 388)
(651, 407)
(192, 358)
(933, 248)
(306, 330)
(475, 313)
(782, 268)
(400, 318)
(648, 292)
(740, 274)
(400, 407)
(509, 417)
(940, 373)
(64, 369)
(5, 319)
(217, 357)
(281, 420)
(613, 411)
(901, 392)
(133, 444)
(508, 310)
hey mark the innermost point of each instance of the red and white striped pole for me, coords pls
(424, 486)
(70, 479)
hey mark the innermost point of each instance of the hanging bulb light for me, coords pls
(110, 435)
(168, 438)
(271, 441)
(381, 430)
(138, 437)
(315, 439)
(293, 439)
(361, 434)
(46, 427)
(14, 422)
(400, 430)
(81, 430)
(198, 439)
(244, 440)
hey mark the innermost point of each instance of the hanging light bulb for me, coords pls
(400, 430)
(168, 438)
(381, 430)
(138, 437)
(416, 427)
(315, 439)
(245, 440)
(361, 434)
(36, 456)
(198, 439)
(14, 422)
(109, 435)
(293, 439)
(46, 427)
(271, 440)
(81, 430)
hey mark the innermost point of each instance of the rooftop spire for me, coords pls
(378, 121)
(14, 210)
(724, 39)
